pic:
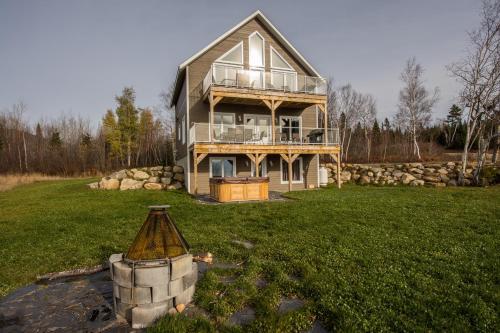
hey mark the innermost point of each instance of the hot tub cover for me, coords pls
(158, 238)
(238, 180)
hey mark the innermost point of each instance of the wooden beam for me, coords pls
(256, 165)
(269, 104)
(229, 148)
(273, 123)
(195, 172)
(334, 156)
(321, 107)
(201, 157)
(261, 157)
(294, 157)
(268, 95)
(217, 100)
(277, 104)
(211, 116)
(325, 113)
(251, 157)
(283, 156)
(290, 172)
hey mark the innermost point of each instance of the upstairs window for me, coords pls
(233, 56)
(256, 50)
(278, 62)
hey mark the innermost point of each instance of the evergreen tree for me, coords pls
(112, 135)
(55, 140)
(376, 133)
(127, 121)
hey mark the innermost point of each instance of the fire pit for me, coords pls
(157, 275)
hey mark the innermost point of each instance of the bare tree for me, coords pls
(415, 103)
(479, 75)
(366, 115)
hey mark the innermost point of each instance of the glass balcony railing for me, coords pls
(234, 76)
(246, 134)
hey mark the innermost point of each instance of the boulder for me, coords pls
(432, 179)
(444, 178)
(355, 177)
(450, 164)
(109, 184)
(165, 180)
(345, 176)
(178, 185)
(436, 184)
(442, 171)
(178, 169)
(153, 180)
(119, 174)
(153, 186)
(131, 184)
(156, 168)
(370, 174)
(406, 178)
(397, 174)
(93, 186)
(141, 175)
(452, 182)
(416, 171)
(168, 174)
(364, 180)
(417, 182)
(179, 177)
(428, 171)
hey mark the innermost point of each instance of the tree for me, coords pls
(454, 120)
(55, 140)
(127, 121)
(367, 111)
(386, 128)
(112, 135)
(415, 103)
(479, 75)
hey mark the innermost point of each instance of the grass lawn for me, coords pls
(363, 258)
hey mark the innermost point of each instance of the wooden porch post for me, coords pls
(289, 172)
(196, 160)
(326, 123)
(273, 105)
(211, 116)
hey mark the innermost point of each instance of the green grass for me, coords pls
(363, 258)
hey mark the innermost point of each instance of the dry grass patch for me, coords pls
(8, 182)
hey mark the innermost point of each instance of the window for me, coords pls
(233, 56)
(224, 126)
(262, 168)
(278, 62)
(290, 129)
(183, 129)
(297, 171)
(256, 50)
(258, 128)
(222, 167)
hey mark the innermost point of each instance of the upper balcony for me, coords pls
(250, 86)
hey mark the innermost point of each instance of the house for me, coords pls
(249, 104)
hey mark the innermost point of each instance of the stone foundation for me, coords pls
(146, 291)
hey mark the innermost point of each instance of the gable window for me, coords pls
(297, 171)
(222, 167)
(283, 76)
(233, 56)
(256, 50)
(226, 67)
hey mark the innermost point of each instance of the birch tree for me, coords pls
(415, 103)
(479, 75)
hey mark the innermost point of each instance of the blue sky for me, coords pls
(73, 57)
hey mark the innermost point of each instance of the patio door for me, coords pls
(258, 128)
(224, 127)
(291, 129)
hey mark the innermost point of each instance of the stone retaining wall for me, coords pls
(152, 178)
(414, 174)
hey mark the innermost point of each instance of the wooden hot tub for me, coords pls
(225, 189)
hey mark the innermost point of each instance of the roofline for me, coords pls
(268, 24)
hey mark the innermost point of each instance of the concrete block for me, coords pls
(160, 293)
(185, 297)
(122, 274)
(112, 259)
(143, 317)
(142, 295)
(125, 295)
(151, 276)
(180, 266)
(190, 279)
(175, 287)
(116, 290)
(124, 310)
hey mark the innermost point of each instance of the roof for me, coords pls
(181, 72)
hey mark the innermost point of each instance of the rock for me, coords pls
(355, 176)
(417, 182)
(452, 182)
(370, 174)
(153, 180)
(168, 168)
(345, 176)
(179, 177)
(178, 169)
(417, 171)
(437, 184)
(141, 175)
(156, 168)
(109, 184)
(178, 186)
(330, 181)
(428, 171)
(153, 186)
(397, 174)
(467, 182)
(180, 307)
(364, 180)
(444, 178)
(406, 178)
(168, 174)
(431, 179)
(416, 165)
(131, 184)
(450, 164)
(93, 186)
(166, 180)
(443, 171)
(377, 170)
(119, 174)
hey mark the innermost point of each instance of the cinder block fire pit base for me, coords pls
(146, 290)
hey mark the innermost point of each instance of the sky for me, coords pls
(73, 57)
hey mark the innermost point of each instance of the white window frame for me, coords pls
(226, 67)
(300, 124)
(222, 126)
(269, 129)
(289, 69)
(184, 129)
(301, 181)
(240, 45)
(264, 168)
(263, 51)
(223, 158)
